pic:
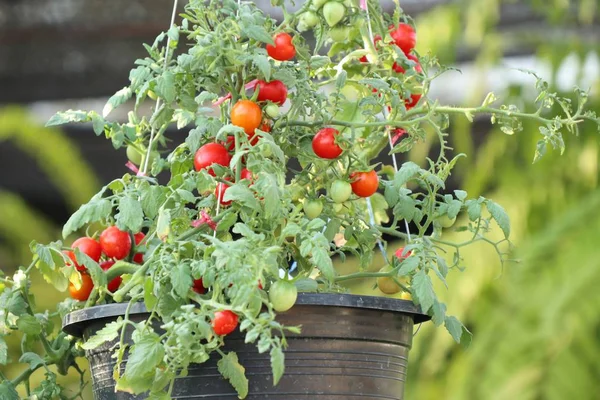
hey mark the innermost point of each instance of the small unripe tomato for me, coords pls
(312, 208)
(339, 34)
(333, 12)
(445, 221)
(283, 295)
(308, 19)
(272, 110)
(134, 155)
(340, 191)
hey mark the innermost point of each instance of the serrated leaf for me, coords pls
(181, 279)
(97, 123)
(152, 199)
(93, 211)
(439, 313)
(243, 195)
(32, 359)
(149, 296)
(8, 391)
(540, 150)
(423, 290)
(500, 216)
(165, 87)
(68, 116)
(333, 228)
(116, 100)
(106, 334)
(319, 61)
(277, 364)
(130, 216)
(264, 66)
(3, 351)
(375, 83)
(407, 171)
(473, 209)
(183, 118)
(145, 355)
(341, 79)
(306, 285)
(458, 331)
(323, 263)
(258, 33)
(405, 208)
(408, 265)
(454, 208)
(231, 369)
(29, 325)
(460, 194)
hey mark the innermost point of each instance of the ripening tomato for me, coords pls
(387, 284)
(220, 193)
(284, 49)
(209, 154)
(198, 286)
(406, 296)
(87, 246)
(399, 69)
(364, 184)
(224, 322)
(137, 238)
(324, 145)
(376, 41)
(340, 191)
(404, 37)
(412, 101)
(83, 293)
(113, 285)
(283, 295)
(247, 115)
(115, 243)
(274, 91)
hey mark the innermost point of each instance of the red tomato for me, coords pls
(220, 193)
(87, 246)
(399, 69)
(247, 115)
(230, 143)
(404, 37)
(209, 154)
(83, 293)
(274, 91)
(399, 254)
(324, 145)
(138, 257)
(413, 101)
(375, 42)
(364, 184)
(115, 243)
(284, 49)
(113, 285)
(198, 286)
(224, 322)
(247, 174)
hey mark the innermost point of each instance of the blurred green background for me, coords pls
(536, 322)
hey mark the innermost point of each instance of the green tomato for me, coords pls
(153, 156)
(297, 192)
(333, 12)
(339, 34)
(283, 295)
(134, 155)
(338, 207)
(445, 221)
(308, 19)
(387, 285)
(318, 3)
(272, 110)
(340, 191)
(312, 208)
(152, 95)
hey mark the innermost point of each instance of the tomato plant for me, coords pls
(209, 154)
(389, 284)
(283, 295)
(115, 243)
(364, 184)
(83, 292)
(224, 322)
(324, 144)
(274, 91)
(284, 49)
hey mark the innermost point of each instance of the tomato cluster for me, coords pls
(113, 244)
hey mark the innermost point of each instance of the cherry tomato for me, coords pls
(230, 143)
(209, 154)
(274, 91)
(333, 12)
(83, 293)
(272, 111)
(312, 208)
(247, 174)
(224, 322)
(247, 115)
(399, 69)
(307, 20)
(445, 221)
(404, 37)
(339, 34)
(134, 155)
(115, 243)
(198, 286)
(412, 101)
(113, 285)
(387, 284)
(399, 254)
(364, 184)
(324, 145)
(340, 191)
(318, 3)
(284, 49)
(138, 257)
(220, 193)
(87, 246)
(406, 296)
(376, 41)
(283, 295)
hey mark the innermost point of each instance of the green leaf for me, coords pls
(454, 208)
(8, 391)
(378, 84)
(264, 66)
(333, 227)
(439, 313)
(423, 290)
(93, 211)
(405, 208)
(116, 100)
(235, 373)
(183, 118)
(500, 216)
(458, 331)
(341, 79)
(277, 364)
(540, 150)
(68, 116)
(408, 265)
(3, 351)
(181, 279)
(130, 216)
(306, 285)
(15, 303)
(32, 359)
(322, 261)
(145, 355)
(163, 225)
(149, 296)
(473, 209)
(29, 325)
(152, 199)
(165, 87)
(97, 123)
(407, 172)
(258, 33)
(319, 61)
(242, 194)
(106, 334)
(268, 186)
(460, 194)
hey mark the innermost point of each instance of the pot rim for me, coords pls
(74, 322)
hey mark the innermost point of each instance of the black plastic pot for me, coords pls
(351, 347)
